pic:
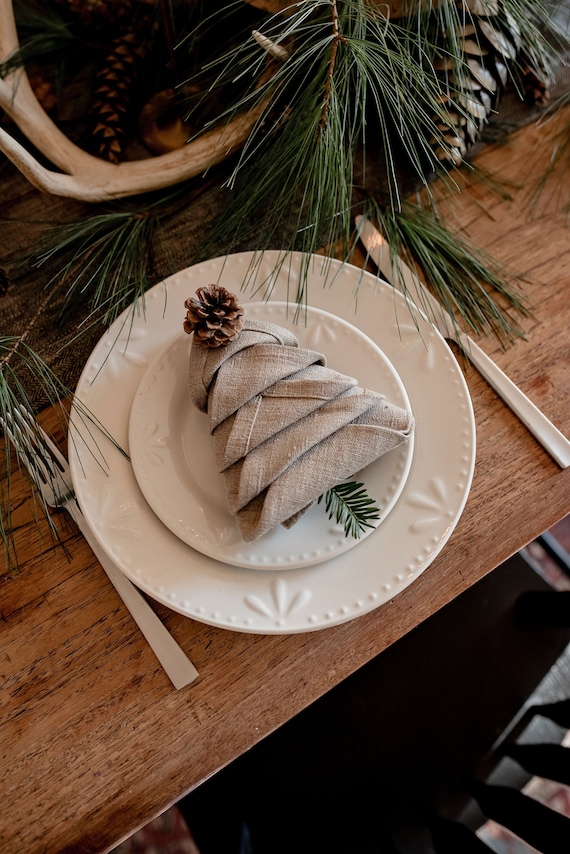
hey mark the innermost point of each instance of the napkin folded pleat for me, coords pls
(286, 427)
(265, 416)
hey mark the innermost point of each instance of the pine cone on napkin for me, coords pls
(286, 428)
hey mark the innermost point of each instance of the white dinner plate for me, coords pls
(172, 451)
(292, 600)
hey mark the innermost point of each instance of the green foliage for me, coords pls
(351, 507)
(348, 117)
(106, 261)
(102, 261)
(12, 395)
(467, 281)
(43, 34)
(350, 86)
(19, 363)
(350, 114)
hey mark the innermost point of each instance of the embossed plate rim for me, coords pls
(162, 422)
(289, 601)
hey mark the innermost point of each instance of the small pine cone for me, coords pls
(214, 318)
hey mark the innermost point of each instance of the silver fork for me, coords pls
(49, 470)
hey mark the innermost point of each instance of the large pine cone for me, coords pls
(489, 46)
(214, 318)
(115, 93)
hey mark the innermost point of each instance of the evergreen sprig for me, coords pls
(43, 34)
(103, 261)
(106, 261)
(349, 88)
(470, 284)
(351, 506)
(19, 363)
(349, 114)
(13, 395)
(357, 96)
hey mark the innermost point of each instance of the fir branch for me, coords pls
(43, 34)
(20, 363)
(469, 283)
(351, 507)
(330, 71)
(341, 84)
(103, 260)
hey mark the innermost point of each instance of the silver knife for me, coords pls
(402, 277)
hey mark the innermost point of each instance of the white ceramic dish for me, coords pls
(292, 600)
(172, 452)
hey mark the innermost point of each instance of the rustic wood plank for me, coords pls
(95, 741)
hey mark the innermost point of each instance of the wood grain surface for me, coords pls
(95, 741)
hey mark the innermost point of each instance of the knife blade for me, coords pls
(403, 278)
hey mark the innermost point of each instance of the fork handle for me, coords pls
(174, 660)
(534, 420)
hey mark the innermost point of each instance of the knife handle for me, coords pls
(534, 420)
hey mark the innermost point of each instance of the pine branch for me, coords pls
(103, 260)
(43, 34)
(18, 362)
(341, 84)
(351, 507)
(12, 394)
(330, 71)
(293, 185)
(466, 280)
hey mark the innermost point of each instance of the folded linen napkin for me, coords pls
(286, 427)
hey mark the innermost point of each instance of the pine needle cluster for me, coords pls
(19, 363)
(350, 506)
(354, 119)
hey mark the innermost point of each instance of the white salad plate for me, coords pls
(291, 600)
(172, 451)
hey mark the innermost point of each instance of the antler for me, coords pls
(82, 175)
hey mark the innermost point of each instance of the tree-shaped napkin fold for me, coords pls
(286, 427)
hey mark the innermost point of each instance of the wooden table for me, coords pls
(96, 742)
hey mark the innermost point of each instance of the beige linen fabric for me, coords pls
(286, 427)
